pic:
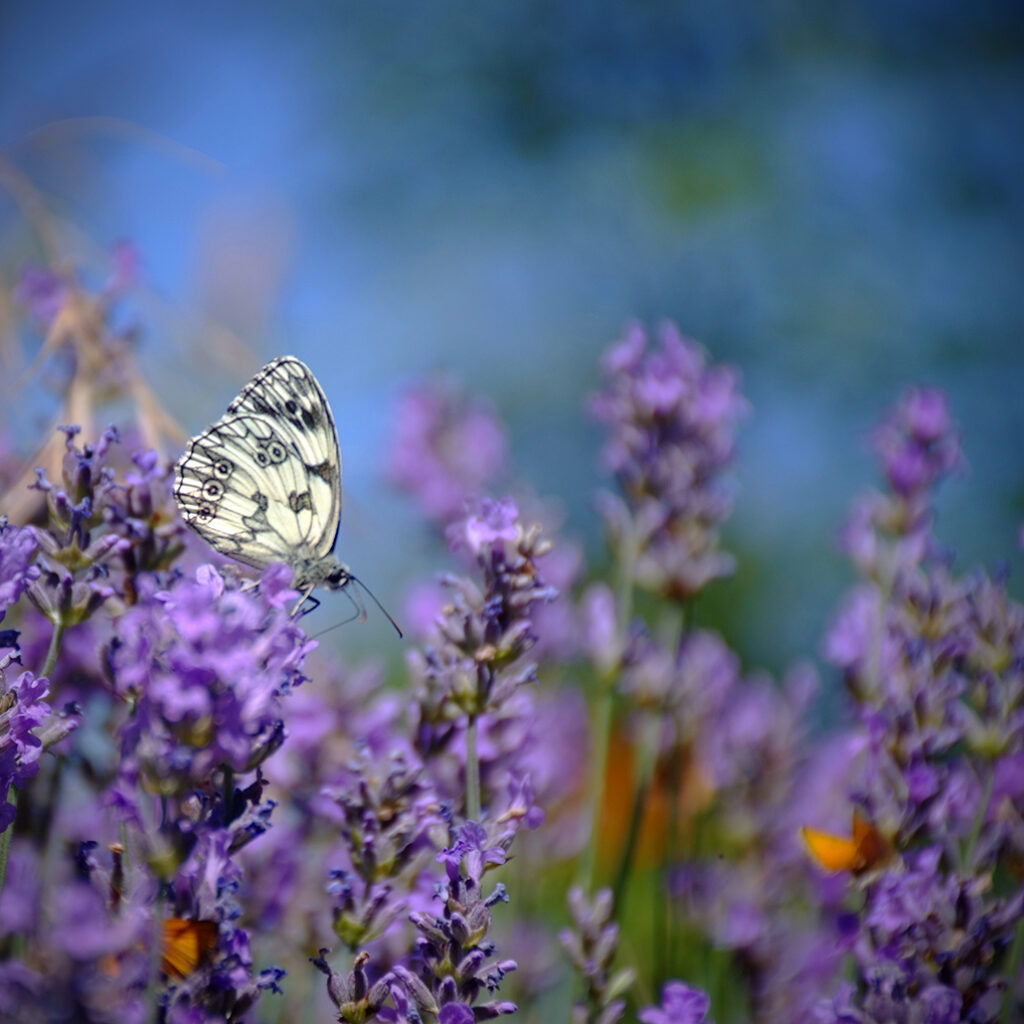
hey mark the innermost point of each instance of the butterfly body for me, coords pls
(263, 483)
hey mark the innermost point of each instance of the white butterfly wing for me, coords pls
(263, 484)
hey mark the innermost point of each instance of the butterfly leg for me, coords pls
(298, 610)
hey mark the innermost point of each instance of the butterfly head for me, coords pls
(322, 572)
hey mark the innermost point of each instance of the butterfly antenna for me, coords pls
(383, 610)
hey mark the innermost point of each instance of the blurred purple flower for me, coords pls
(918, 443)
(591, 944)
(672, 420)
(600, 627)
(43, 292)
(934, 664)
(491, 522)
(387, 817)
(424, 606)
(17, 563)
(686, 688)
(680, 1004)
(447, 449)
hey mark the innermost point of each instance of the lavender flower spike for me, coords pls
(474, 665)
(17, 563)
(28, 726)
(456, 959)
(591, 946)
(672, 422)
(680, 1004)
(447, 449)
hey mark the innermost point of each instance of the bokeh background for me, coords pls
(830, 197)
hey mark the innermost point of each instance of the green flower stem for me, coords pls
(602, 710)
(1012, 971)
(472, 772)
(600, 730)
(979, 821)
(156, 954)
(665, 915)
(646, 761)
(5, 839)
(54, 649)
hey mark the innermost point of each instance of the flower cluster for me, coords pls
(680, 1004)
(193, 800)
(447, 449)
(28, 725)
(103, 531)
(390, 825)
(456, 959)
(204, 668)
(591, 945)
(18, 568)
(475, 666)
(672, 420)
(935, 665)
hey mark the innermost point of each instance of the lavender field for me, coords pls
(572, 803)
(668, 666)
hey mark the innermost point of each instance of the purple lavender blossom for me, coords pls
(204, 669)
(486, 526)
(591, 944)
(456, 962)
(103, 531)
(680, 1004)
(206, 888)
(933, 663)
(387, 816)
(447, 449)
(475, 663)
(917, 443)
(17, 563)
(43, 292)
(687, 688)
(23, 709)
(353, 995)
(672, 421)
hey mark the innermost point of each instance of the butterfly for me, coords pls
(187, 945)
(866, 849)
(263, 483)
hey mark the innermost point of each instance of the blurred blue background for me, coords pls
(829, 196)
